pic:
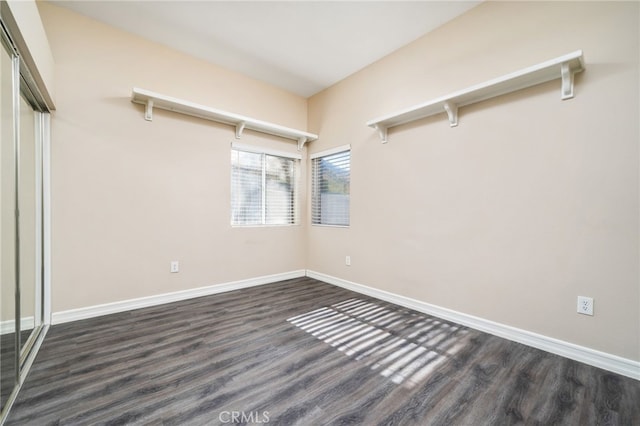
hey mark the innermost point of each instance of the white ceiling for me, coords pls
(300, 46)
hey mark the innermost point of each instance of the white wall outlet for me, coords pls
(585, 305)
(175, 266)
(347, 260)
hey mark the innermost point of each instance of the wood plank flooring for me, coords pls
(301, 352)
(7, 366)
(8, 362)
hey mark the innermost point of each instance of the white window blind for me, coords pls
(330, 181)
(263, 189)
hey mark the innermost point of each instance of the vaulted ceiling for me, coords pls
(300, 46)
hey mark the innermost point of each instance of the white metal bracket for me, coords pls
(301, 143)
(148, 110)
(567, 81)
(382, 132)
(452, 112)
(239, 129)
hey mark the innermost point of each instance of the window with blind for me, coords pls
(330, 181)
(263, 189)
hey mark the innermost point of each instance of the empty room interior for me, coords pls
(315, 213)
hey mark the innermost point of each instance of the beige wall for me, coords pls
(129, 196)
(528, 203)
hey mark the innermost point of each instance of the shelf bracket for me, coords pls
(239, 129)
(567, 81)
(452, 112)
(301, 143)
(382, 132)
(148, 110)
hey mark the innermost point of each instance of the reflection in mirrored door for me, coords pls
(29, 204)
(24, 124)
(8, 229)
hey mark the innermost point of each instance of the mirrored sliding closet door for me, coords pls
(8, 226)
(21, 220)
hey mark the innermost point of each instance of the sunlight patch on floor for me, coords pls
(405, 346)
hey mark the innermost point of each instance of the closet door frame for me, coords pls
(38, 131)
(24, 83)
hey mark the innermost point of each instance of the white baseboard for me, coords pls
(9, 326)
(583, 354)
(24, 372)
(160, 299)
(599, 359)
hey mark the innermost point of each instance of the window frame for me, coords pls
(321, 154)
(296, 158)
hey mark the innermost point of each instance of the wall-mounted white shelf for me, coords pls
(563, 67)
(155, 100)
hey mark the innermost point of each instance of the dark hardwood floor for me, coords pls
(8, 363)
(7, 366)
(301, 352)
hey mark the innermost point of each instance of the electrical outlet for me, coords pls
(585, 305)
(175, 266)
(347, 260)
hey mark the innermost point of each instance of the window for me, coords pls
(330, 180)
(263, 188)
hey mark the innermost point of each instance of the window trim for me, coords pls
(296, 190)
(330, 151)
(259, 150)
(325, 153)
